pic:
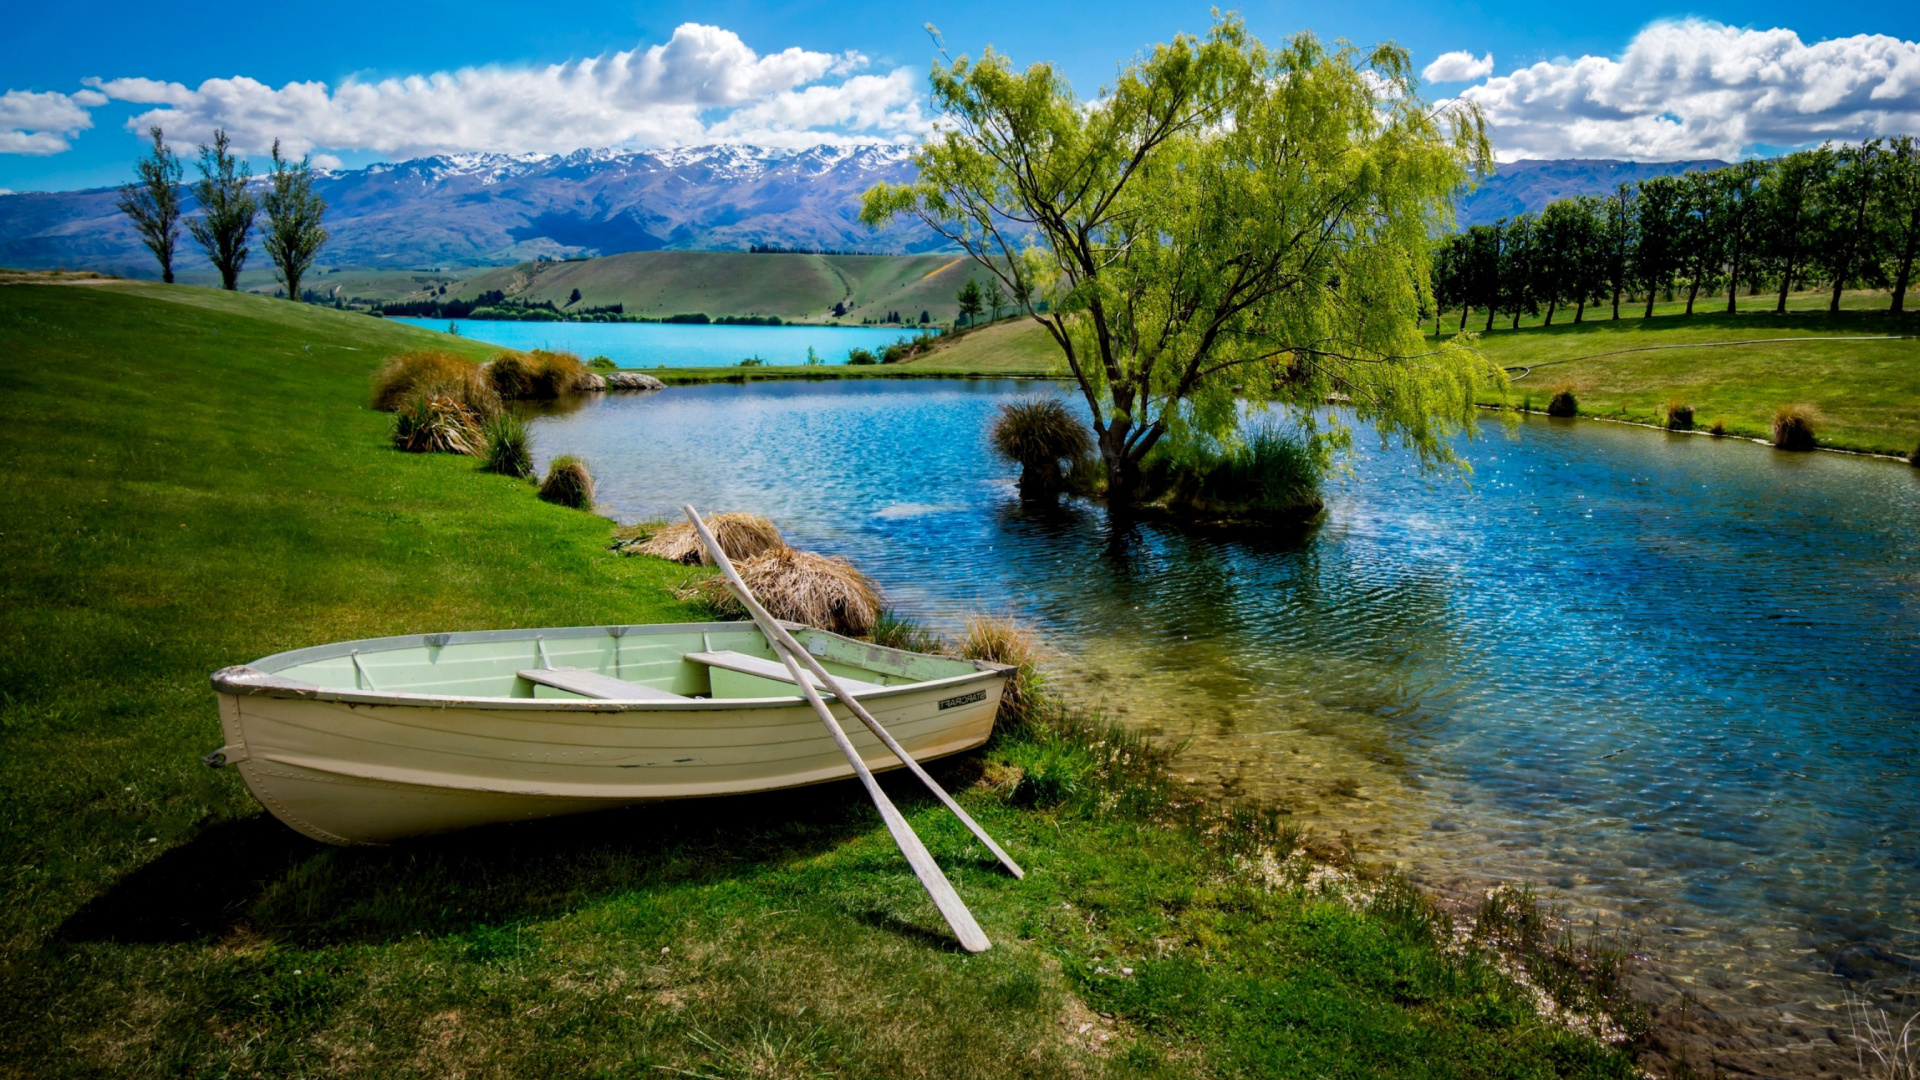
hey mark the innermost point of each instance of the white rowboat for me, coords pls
(367, 742)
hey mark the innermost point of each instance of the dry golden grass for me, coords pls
(441, 374)
(428, 421)
(1000, 639)
(741, 536)
(1679, 415)
(801, 587)
(1793, 427)
(539, 374)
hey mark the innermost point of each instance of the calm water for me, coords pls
(676, 345)
(1670, 679)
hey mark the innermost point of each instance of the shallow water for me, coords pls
(677, 344)
(1670, 679)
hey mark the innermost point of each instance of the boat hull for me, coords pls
(349, 768)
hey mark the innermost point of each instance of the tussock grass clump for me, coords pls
(429, 421)
(1000, 639)
(447, 375)
(1679, 416)
(801, 587)
(509, 446)
(568, 483)
(1271, 475)
(896, 631)
(1718, 429)
(741, 536)
(1563, 403)
(538, 375)
(1036, 434)
(1914, 458)
(1793, 428)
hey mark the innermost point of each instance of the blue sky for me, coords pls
(1564, 80)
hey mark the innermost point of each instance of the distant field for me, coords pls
(1865, 394)
(793, 287)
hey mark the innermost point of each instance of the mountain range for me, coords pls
(470, 210)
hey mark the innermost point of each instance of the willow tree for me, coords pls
(1225, 224)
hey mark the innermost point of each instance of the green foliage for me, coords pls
(753, 361)
(896, 631)
(1563, 403)
(1227, 223)
(970, 301)
(153, 202)
(294, 232)
(509, 445)
(568, 483)
(602, 364)
(227, 209)
(858, 355)
(1268, 475)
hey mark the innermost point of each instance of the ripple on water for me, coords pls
(1672, 678)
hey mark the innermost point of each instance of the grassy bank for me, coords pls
(193, 480)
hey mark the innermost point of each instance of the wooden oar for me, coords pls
(778, 636)
(972, 938)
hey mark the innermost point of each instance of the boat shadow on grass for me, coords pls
(258, 878)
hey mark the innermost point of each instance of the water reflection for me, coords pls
(1670, 677)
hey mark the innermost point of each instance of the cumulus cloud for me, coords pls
(1458, 66)
(704, 84)
(40, 123)
(1697, 89)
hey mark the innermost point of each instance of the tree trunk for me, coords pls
(1833, 306)
(1786, 282)
(1515, 325)
(1648, 314)
(1904, 275)
(1579, 311)
(1693, 290)
(1463, 318)
(1616, 302)
(1550, 305)
(1490, 315)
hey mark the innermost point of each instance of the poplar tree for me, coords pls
(1846, 248)
(1697, 233)
(1737, 210)
(1618, 239)
(1899, 214)
(1656, 253)
(227, 209)
(1227, 223)
(1789, 200)
(153, 202)
(294, 233)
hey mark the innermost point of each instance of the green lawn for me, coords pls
(192, 480)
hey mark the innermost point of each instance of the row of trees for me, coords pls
(228, 210)
(974, 300)
(1847, 216)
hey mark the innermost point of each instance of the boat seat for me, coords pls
(595, 685)
(773, 669)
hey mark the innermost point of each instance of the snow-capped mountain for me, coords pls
(477, 209)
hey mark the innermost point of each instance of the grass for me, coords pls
(509, 445)
(193, 479)
(799, 586)
(742, 536)
(568, 483)
(1271, 477)
(1036, 434)
(1866, 392)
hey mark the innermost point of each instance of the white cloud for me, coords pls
(1458, 66)
(1696, 89)
(40, 123)
(652, 96)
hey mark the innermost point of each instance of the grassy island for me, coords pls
(194, 479)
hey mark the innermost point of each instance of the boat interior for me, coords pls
(678, 662)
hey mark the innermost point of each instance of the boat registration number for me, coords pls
(963, 699)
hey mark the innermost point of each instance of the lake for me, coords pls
(637, 345)
(1670, 680)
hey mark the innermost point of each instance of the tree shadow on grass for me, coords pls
(259, 877)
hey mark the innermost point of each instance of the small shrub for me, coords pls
(429, 421)
(861, 356)
(509, 446)
(1719, 429)
(754, 361)
(568, 483)
(1679, 416)
(536, 375)
(1793, 428)
(1036, 434)
(798, 586)
(1563, 404)
(1002, 640)
(1270, 475)
(602, 363)
(451, 376)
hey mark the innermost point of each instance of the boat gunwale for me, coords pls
(256, 680)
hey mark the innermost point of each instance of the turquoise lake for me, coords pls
(639, 345)
(1672, 681)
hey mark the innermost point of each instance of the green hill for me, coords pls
(715, 283)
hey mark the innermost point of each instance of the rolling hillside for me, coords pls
(791, 286)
